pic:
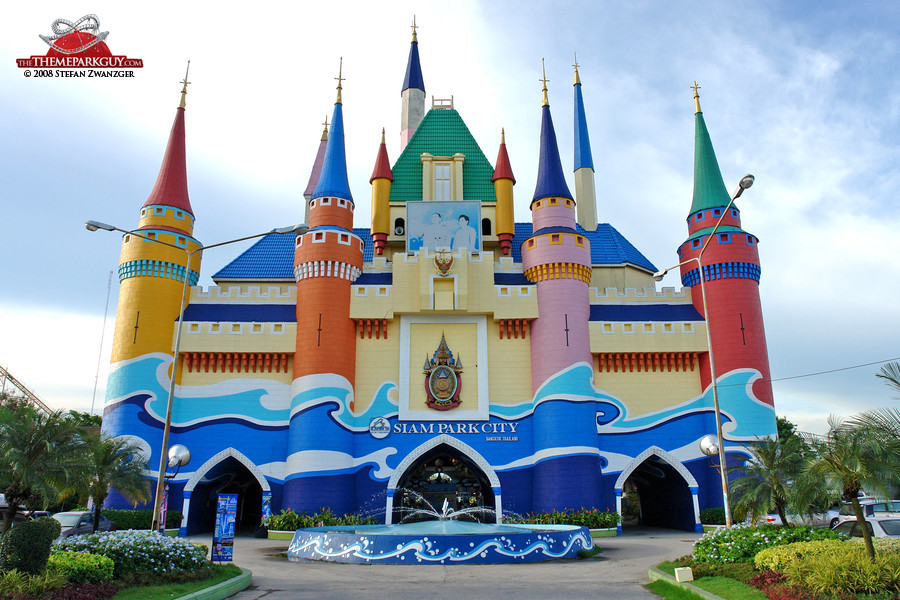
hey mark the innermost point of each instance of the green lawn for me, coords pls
(670, 591)
(731, 589)
(176, 590)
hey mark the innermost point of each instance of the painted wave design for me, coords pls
(742, 413)
(259, 401)
(430, 550)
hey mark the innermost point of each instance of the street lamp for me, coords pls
(94, 226)
(746, 182)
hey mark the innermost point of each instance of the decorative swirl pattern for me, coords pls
(87, 23)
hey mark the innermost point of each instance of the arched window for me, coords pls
(399, 227)
(485, 227)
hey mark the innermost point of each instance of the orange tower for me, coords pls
(327, 260)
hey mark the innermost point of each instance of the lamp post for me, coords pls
(94, 226)
(746, 182)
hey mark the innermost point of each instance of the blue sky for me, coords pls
(803, 95)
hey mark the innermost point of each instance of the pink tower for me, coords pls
(731, 269)
(558, 259)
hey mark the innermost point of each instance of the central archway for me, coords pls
(443, 469)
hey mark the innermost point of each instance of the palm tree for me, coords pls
(890, 372)
(766, 478)
(112, 462)
(850, 457)
(37, 451)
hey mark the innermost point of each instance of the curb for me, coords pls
(220, 591)
(655, 574)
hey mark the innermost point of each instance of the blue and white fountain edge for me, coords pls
(439, 542)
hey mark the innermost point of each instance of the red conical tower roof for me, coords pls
(171, 183)
(382, 168)
(503, 170)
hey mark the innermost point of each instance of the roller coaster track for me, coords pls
(7, 376)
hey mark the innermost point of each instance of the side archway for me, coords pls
(660, 490)
(229, 471)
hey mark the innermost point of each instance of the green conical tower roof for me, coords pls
(709, 188)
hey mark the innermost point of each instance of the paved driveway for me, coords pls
(620, 572)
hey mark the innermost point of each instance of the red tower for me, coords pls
(731, 272)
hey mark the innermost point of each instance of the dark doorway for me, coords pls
(656, 495)
(443, 473)
(227, 477)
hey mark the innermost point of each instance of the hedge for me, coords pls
(140, 518)
(81, 567)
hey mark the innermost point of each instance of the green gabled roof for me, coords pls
(709, 188)
(442, 133)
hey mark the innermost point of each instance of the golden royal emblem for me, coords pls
(443, 262)
(443, 378)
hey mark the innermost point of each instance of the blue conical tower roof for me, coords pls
(709, 187)
(550, 179)
(413, 78)
(583, 156)
(334, 181)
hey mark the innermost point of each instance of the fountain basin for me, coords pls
(439, 542)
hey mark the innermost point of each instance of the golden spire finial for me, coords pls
(339, 80)
(184, 88)
(502, 136)
(325, 131)
(414, 27)
(577, 78)
(382, 135)
(696, 87)
(546, 100)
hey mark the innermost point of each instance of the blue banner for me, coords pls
(223, 535)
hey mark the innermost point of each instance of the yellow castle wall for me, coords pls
(649, 391)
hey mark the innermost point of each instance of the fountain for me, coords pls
(442, 540)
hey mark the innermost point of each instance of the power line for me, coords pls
(868, 364)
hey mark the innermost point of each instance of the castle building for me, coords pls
(446, 352)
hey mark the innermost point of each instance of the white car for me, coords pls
(871, 508)
(879, 526)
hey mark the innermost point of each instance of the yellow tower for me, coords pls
(152, 265)
(503, 186)
(381, 193)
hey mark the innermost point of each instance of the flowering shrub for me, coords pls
(138, 551)
(742, 542)
(590, 518)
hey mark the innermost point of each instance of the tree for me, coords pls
(37, 451)
(84, 419)
(850, 457)
(112, 462)
(766, 479)
(890, 372)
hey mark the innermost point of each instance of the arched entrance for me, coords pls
(656, 490)
(229, 472)
(443, 469)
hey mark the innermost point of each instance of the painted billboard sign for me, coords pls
(447, 225)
